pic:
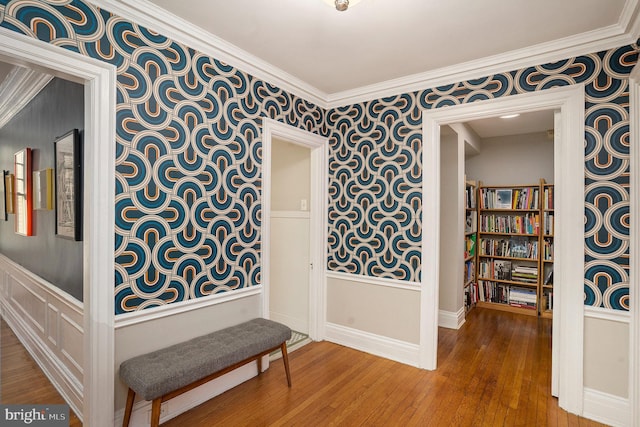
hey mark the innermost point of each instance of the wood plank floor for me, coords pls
(21, 380)
(494, 371)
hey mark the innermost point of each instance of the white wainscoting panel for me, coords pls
(141, 414)
(48, 322)
(400, 351)
(606, 408)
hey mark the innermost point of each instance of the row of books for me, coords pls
(470, 197)
(547, 223)
(505, 294)
(525, 298)
(509, 198)
(470, 295)
(516, 224)
(515, 247)
(500, 269)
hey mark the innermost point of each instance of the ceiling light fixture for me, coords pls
(341, 5)
(509, 116)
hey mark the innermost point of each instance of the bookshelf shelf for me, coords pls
(507, 257)
(507, 307)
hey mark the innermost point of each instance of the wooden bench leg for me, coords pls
(155, 412)
(285, 359)
(131, 396)
(259, 360)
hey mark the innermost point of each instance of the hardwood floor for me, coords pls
(21, 380)
(494, 371)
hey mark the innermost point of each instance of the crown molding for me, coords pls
(18, 89)
(626, 31)
(568, 47)
(183, 31)
(630, 18)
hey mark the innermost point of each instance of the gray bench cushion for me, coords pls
(155, 374)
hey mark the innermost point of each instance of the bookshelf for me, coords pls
(509, 247)
(546, 242)
(470, 245)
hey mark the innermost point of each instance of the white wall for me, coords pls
(290, 175)
(451, 240)
(513, 160)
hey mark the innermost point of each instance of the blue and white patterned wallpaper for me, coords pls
(188, 176)
(375, 171)
(188, 157)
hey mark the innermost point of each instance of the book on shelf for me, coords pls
(501, 269)
(547, 253)
(548, 198)
(525, 274)
(549, 277)
(547, 223)
(471, 223)
(469, 271)
(470, 295)
(503, 199)
(470, 246)
(521, 247)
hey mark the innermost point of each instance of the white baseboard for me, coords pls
(48, 323)
(451, 319)
(141, 413)
(400, 351)
(606, 408)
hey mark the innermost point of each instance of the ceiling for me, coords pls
(379, 45)
(376, 41)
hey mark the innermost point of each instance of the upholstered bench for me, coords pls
(163, 374)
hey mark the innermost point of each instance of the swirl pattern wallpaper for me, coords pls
(188, 161)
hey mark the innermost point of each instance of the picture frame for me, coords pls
(23, 202)
(5, 174)
(68, 185)
(8, 192)
(43, 189)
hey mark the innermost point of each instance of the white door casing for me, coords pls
(568, 241)
(98, 213)
(318, 217)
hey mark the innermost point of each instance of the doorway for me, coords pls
(569, 187)
(290, 266)
(294, 225)
(98, 241)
